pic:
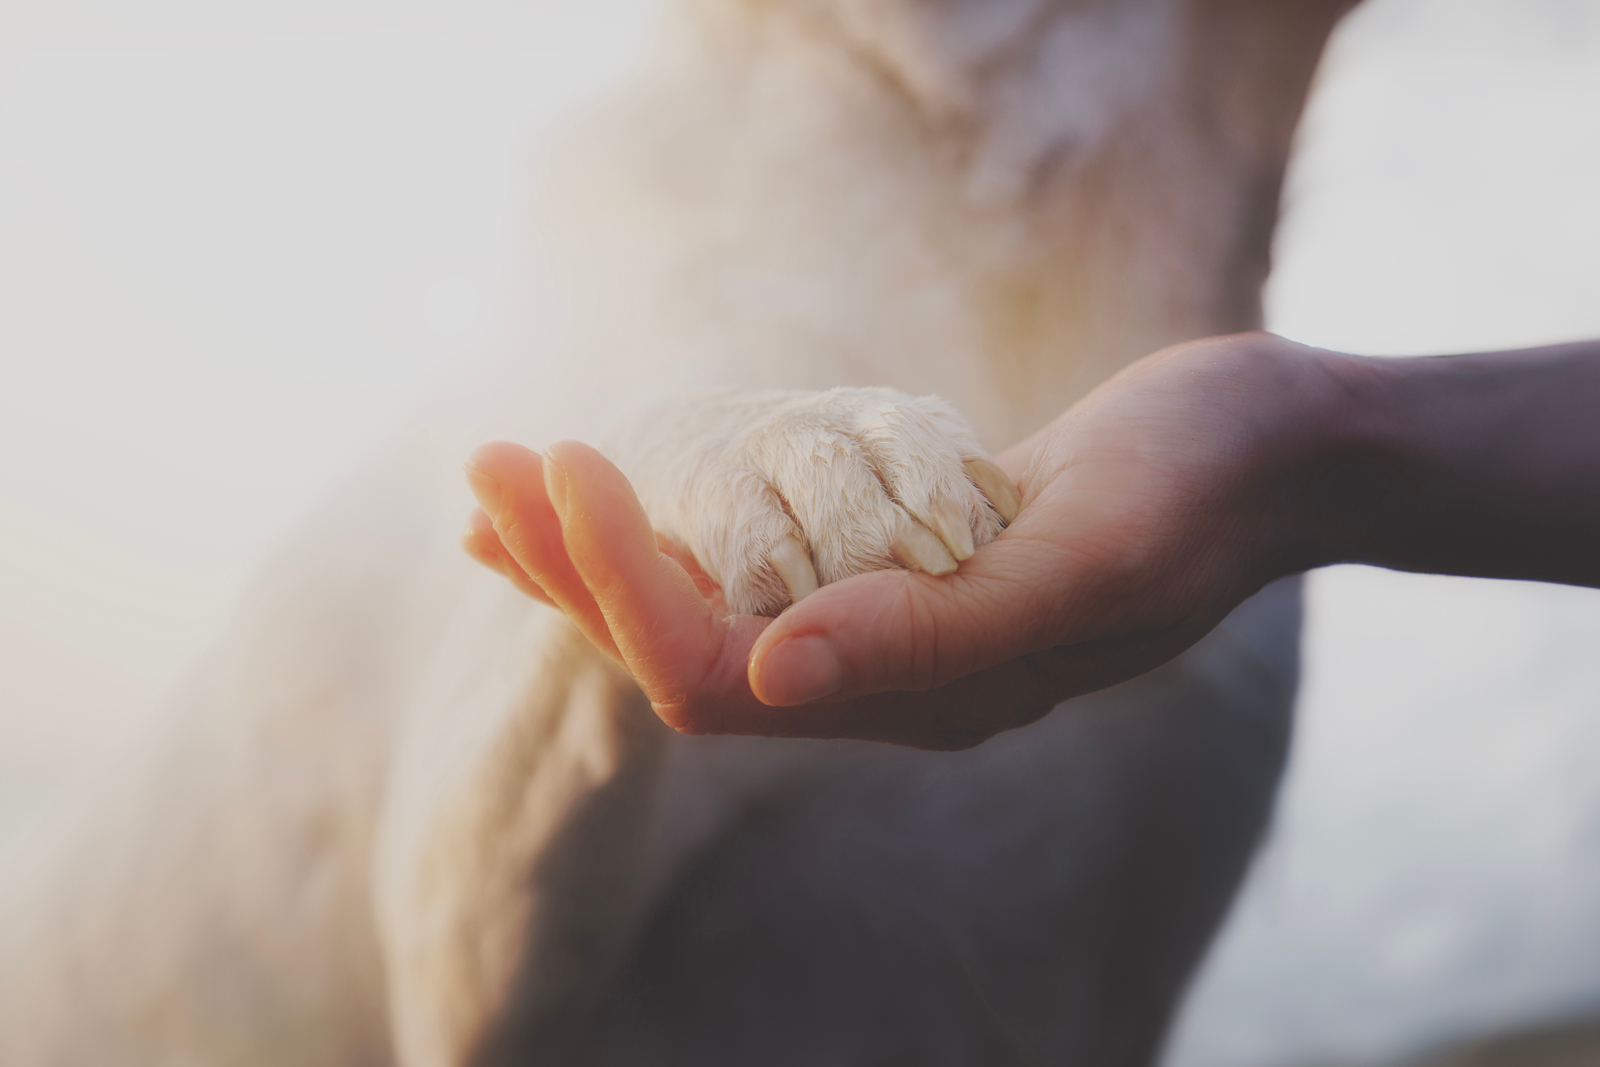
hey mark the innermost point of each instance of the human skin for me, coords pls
(1150, 510)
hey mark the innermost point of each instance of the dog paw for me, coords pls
(780, 493)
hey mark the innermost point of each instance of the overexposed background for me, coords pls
(238, 241)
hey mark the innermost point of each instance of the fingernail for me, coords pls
(800, 670)
(485, 488)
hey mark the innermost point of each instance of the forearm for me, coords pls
(1485, 465)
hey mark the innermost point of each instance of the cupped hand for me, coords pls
(1149, 512)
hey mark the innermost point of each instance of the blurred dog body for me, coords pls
(404, 815)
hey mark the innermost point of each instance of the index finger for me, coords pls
(690, 661)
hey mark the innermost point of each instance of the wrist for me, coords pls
(1339, 472)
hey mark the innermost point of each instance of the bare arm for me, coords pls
(1485, 465)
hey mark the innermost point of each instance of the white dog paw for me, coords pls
(780, 493)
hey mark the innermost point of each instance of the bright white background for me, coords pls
(238, 242)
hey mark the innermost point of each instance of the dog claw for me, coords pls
(920, 550)
(793, 565)
(954, 529)
(997, 486)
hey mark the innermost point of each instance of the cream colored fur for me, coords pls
(404, 815)
(858, 479)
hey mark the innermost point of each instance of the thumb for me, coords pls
(904, 630)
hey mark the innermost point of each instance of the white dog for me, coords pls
(405, 815)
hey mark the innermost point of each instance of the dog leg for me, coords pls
(511, 865)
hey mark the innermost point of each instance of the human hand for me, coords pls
(1150, 510)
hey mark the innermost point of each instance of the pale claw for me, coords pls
(789, 559)
(921, 551)
(997, 486)
(954, 529)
